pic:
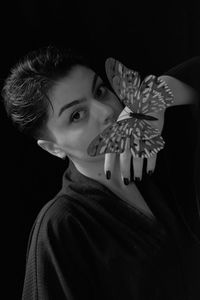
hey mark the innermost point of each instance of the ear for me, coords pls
(52, 148)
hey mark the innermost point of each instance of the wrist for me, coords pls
(183, 93)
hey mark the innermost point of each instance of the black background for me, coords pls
(150, 37)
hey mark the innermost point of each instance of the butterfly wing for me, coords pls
(146, 148)
(113, 139)
(153, 96)
(123, 80)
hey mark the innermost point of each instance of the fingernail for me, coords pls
(150, 172)
(137, 179)
(108, 174)
(126, 181)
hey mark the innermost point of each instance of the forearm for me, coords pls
(183, 93)
(184, 80)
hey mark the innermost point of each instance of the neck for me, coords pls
(95, 170)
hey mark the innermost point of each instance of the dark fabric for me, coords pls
(87, 243)
(182, 136)
(189, 140)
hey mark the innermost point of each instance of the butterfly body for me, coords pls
(142, 116)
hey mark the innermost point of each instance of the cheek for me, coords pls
(78, 140)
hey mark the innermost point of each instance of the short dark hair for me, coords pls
(25, 92)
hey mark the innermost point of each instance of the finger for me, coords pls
(125, 162)
(151, 164)
(109, 164)
(137, 167)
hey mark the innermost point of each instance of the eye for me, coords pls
(101, 91)
(77, 116)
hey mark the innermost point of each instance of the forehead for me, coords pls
(72, 86)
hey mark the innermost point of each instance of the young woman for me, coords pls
(105, 235)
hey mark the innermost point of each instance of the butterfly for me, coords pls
(141, 101)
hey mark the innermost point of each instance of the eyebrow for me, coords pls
(78, 101)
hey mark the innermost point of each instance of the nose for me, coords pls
(104, 112)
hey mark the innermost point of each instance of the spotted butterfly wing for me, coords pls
(154, 93)
(123, 80)
(113, 140)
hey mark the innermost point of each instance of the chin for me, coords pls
(85, 157)
(96, 158)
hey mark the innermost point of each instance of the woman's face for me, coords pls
(83, 107)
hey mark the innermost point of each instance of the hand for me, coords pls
(127, 161)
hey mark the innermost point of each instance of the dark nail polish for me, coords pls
(126, 181)
(137, 179)
(108, 174)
